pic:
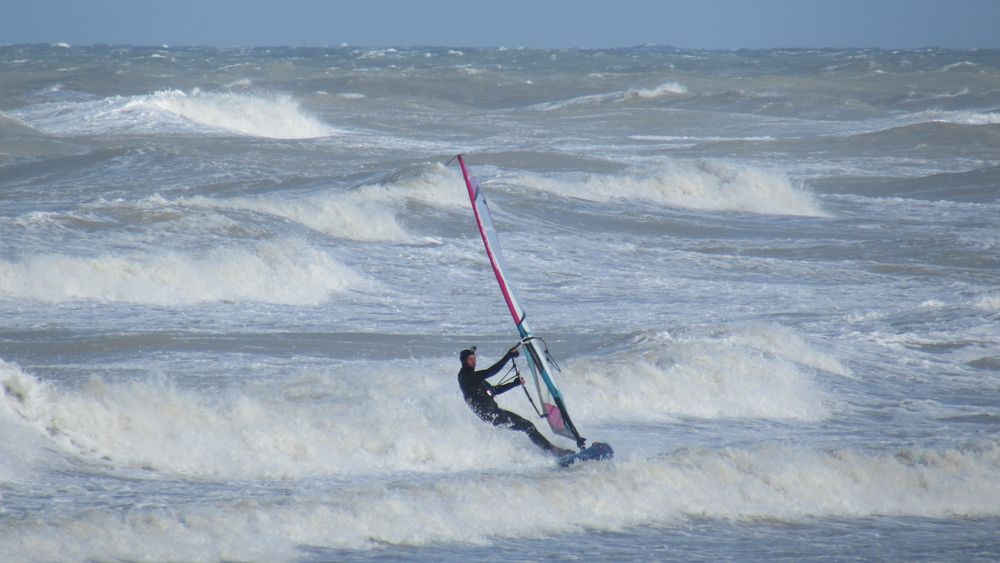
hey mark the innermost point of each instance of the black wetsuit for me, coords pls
(479, 395)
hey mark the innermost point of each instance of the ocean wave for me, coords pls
(242, 83)
(283, 272)
(960, 66)
(922, 123)
(706, 185)
(956, 117)
(377, 53)
(761, 372)
(368, 213)
(360, 419)
(272, 116)
(363, 419)
(769, 483)
(18, 138)
(988, 303)
(8, 122)
(21, 450)
(977, 185)
(275, 116)
(667, 89)
(924, 134)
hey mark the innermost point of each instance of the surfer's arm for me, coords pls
(489, 372)
(497, 390)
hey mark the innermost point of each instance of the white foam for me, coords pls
(364, 420)
(782, 342)
(988, 303)
(361, 419)
(770, 483)
(241, 83)
(368, 213)
(378, 53)
(22, 449)
(956, 117)
(735, 376)
(287, 272)
(708, 185)
(580, 100)
(959, 66)
(665, 89)
(964, 91)
(962, 117)
(349, 215)
(275, 116)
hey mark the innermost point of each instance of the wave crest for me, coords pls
(274, 116)
(955, 117)
(368, 213)
(667, 89)
(315, 424)
(287, 272)
(759, 372)
(706, 185)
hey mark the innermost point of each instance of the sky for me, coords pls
(701, 24)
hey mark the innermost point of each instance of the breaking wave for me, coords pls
(956, 117)
(369, 213)
(315, 424)
(321, 425)
(275, 116)
(706, 185)
(769, 483)
(988, 303)
(284, 272)
(761, 372)
(667, 89)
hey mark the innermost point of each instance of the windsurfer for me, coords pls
(480, 396)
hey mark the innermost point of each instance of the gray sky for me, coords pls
(715, 24)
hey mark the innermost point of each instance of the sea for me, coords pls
(234, 284)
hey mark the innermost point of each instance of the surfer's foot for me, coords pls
(559, 452)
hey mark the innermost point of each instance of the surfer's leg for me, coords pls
(519, 423)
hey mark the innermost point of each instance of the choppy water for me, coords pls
(234, 284)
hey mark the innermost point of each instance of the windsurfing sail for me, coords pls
(536, 352)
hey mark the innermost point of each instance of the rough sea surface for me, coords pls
(234, 284)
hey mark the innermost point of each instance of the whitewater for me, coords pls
(235, 283)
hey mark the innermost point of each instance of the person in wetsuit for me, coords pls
(479, 395)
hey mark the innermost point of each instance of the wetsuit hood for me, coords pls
(464, 355)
